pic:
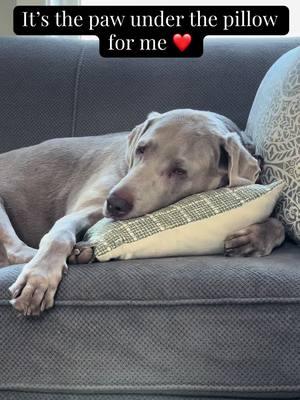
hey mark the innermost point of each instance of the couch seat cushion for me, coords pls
(205, 325)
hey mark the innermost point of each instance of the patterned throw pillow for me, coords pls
(274, 127)
(195, 225)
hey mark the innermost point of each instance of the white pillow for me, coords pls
(195, 225)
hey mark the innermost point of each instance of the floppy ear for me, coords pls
(243, 168)
(136, 133)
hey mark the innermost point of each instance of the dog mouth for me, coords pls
(115, 218)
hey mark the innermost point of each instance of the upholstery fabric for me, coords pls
(55, 87)
(192, 325)
(195, 225)
(59, 396)
(274, 126)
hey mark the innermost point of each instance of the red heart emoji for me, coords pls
(182, 42)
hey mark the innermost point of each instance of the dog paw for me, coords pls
(82, 253)
(35, 288)
(251, 241)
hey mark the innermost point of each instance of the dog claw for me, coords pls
(15, 293)
(36, 313)
(65, 269)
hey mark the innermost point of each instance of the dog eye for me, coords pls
(141, 150)
(178, 171)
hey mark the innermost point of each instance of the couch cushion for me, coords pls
(194, 325)
(56, 87)
(224, 80)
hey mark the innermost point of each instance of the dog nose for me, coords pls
(118, 206)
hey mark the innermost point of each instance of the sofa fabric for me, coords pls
(58, 396)
(205, 327)
(53, 87)
(190, 325)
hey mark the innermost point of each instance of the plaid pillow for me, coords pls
(195, 225)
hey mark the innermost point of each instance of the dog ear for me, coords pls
(242, 167)
(135, 135)
(228, 124)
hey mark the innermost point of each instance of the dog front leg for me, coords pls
(12, 249)
(35, 288)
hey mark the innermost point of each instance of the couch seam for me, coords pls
(150, 388)
(179, 302)
(75, 91)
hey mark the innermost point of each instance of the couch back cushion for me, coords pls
(54, 87)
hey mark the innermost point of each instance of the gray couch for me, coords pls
(165, 329)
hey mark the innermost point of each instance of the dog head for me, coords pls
(176, 154)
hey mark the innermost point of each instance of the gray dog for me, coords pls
(66, 185)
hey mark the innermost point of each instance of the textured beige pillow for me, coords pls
(195, 225)
(274, 127)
